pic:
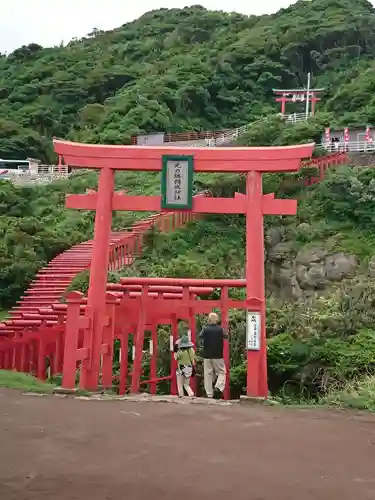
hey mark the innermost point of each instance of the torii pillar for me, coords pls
(254, 205)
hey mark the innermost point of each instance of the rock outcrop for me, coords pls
(309, 271)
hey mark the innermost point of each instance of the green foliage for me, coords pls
(196, 256)
(274, 131)
(349, 195)
(35, 226)
(24, 382)
(357, 394)
(314, 365)
(187, 69)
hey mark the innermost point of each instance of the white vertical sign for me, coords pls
(308, 95)
(253, 330)
(177, 182)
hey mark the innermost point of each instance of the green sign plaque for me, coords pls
(177, 182)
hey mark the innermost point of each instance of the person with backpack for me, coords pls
(212, 337)
(186, 360)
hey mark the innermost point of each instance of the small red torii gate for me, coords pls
(254, 204)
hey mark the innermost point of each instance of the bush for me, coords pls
(313, 366)
(359, 395)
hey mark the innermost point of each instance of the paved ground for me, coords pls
(66, 449)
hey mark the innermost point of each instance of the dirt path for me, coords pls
(69, 449)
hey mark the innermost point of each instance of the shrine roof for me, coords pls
(281, 91)
(206, 159)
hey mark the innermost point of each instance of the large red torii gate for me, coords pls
(254, 204)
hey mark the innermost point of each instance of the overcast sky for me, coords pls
(49, 22)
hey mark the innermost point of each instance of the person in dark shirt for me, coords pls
(212, 337)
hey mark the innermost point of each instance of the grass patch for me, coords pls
(3, 315)
(358, 395)
(24, 382)
(358, 243)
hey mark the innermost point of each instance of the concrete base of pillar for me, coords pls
(105, 389)
(61, 390)
(250, 400)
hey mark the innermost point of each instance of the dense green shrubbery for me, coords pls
(22, 381)
(35, 225)
(357, 394)
(187, 69)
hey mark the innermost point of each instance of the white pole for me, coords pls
(14, 161)
(308, 95)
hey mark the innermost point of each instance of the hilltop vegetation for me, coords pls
(185, 69)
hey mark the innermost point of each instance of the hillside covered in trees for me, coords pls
(186, 69)
(192, 69)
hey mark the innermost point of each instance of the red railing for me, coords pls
(52, 282)
(125, 246)
(53, 339)
(323, 163)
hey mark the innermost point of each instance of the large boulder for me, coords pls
(280, 252)
(274, 236)
(296, 291)
(312, 277)
(305, 230)
(311, 272)
(339, 266)
(308, 256)
(282, 275)
(284, 278)
(371, 267)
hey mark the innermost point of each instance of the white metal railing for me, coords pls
(348, 147)
(50, 173)
(296, 117)
(231, 135)
(221, 140)
(53, 170)
(38, 175)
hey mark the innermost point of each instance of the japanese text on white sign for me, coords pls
(177, 182)
(253, 330)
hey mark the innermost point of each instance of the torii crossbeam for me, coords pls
(254, 204)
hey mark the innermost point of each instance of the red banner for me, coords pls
(328, 134)
(368, 135)
(346, 135)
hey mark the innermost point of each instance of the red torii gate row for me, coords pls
(41, 345)
(297, 95)
(250, 161)
(137, 305)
